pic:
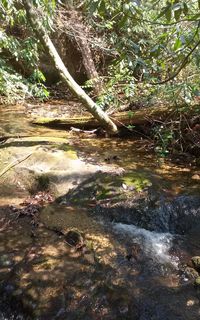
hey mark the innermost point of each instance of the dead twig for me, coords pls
(13, 164)
(5, 225)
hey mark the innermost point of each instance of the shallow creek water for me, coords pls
(131, 269)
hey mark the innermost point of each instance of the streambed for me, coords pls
(139, 217)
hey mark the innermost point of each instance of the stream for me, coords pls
(137, 218)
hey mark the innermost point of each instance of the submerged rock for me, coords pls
(191, 273)
(74, 238)
(6, 260)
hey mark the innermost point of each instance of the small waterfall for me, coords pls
(155, 245)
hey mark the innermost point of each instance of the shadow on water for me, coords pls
(136, 157)
(112, 280)
(52, 280)
(44, 278)
(137, 225)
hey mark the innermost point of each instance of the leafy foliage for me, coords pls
(154, 40)
(153, 44)
(20, 77)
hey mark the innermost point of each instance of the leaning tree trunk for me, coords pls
(93, 108)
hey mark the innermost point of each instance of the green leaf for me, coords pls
(102, 7)
(130, 114)
(163, 65)
(199, 4)
(177, 14)
(164, 11)
(135, 9)
(185, 8)
(94, 6)
(122, 22)
(130, 127)
(140, 62)
(177, 44)
(126, 7)
(135, 46)
(155, 51)
(168, 13)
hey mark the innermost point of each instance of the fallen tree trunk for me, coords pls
(78, 92)
(121, 119)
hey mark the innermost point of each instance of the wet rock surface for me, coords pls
(108, 240)
(147, 208)
(125, 271)
(33, 164)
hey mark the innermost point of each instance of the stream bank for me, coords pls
(139, 219)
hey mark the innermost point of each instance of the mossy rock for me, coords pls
(197, 282)
(136, 180)
(196, 262)
(109, 187)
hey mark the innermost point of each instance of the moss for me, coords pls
(196, 262)
(46, 120)
(137, 180)
(41, 183)
(197, 282)
(71, 153)
(104, 193)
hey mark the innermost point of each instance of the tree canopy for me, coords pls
(151, 48)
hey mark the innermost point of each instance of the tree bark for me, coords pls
(123, 119)
(88, 61)
(45, 40)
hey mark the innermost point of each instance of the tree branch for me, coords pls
(167, 24)
(183, 64)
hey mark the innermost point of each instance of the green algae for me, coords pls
(71, 154)
(109, 187)
(70, 151)
(136, 180)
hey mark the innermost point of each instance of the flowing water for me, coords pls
(141, 228)
(155, 245)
